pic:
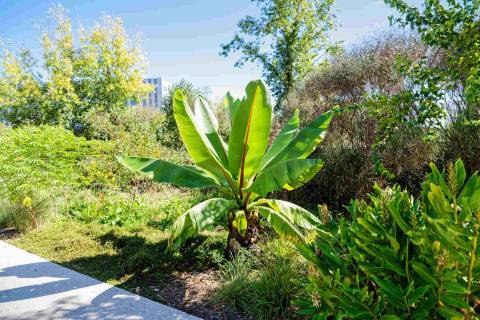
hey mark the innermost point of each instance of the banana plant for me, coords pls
(245, 170)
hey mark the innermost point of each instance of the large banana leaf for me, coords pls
(288, 175)
(306, 140)
(282, 140)
(198, 146)
(210, 212)
(163, 171)
(281, 224)
(232, 105)
(207, 123)
(250, 131)
(301, 218)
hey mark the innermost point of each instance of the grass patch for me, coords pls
(262, 283)
(132, 260)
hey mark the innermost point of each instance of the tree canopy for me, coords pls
(286, 40)
(100, 71)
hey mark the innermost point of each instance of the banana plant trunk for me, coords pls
(237, 239)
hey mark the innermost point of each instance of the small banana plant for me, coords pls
(245, 171)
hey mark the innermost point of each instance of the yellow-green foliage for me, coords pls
(101, 71)
(45, 157)
(54, 159)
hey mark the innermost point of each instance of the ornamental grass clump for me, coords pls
(245, 170)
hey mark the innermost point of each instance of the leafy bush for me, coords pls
(54, 159)
(39, 158)
(126, 125)
(401, 258)
(459, 140)
(120, 209)
(263, 283)
(100, 71)
(351, 149)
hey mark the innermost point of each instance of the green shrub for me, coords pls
(39, 158)
(401, 258)
(460, 140)
(348, 173)
(120, 209)
(263, 283)
(53, 158)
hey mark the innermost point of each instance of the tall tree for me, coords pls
(449, 80)
(101, 71)
(286, 40)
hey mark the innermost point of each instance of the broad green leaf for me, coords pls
(450, 313)
(439, 202)
(455, 288)
(281, 224)
(474, 201)
(207, 123)
(199, 217)
(391, 260)
(395, 211)
(424, 273)
(163, 171)
(300, 217)
(438, 179)
(240, 222)
(282, 140)
(307, 252)
(288, 175)
(306, 140)
(392, 290)
(393, 242)
(460, 173)
(250, 131)
(472, 185)
(390, 317)
(418, 293)
(456, 301)
(198, 146)
(449, 234)
(231, 104)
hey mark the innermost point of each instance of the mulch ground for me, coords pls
(192, 292)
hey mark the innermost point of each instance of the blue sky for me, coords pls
(182, 38)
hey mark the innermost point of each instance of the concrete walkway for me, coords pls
(34, 288)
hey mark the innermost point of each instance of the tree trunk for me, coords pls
(236, 241)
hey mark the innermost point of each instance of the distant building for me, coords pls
(154, 98)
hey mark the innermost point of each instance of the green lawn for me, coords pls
(134, 260)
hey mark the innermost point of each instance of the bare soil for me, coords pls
(192, 292)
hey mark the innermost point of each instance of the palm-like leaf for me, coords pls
(197, 219)
(282, 140)
(163, 171)
(306, 140)
(232, 106)
(282, 225)
(288, 175)
(303, 219)
(207, 123)
(197, 144)
(251, 128)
